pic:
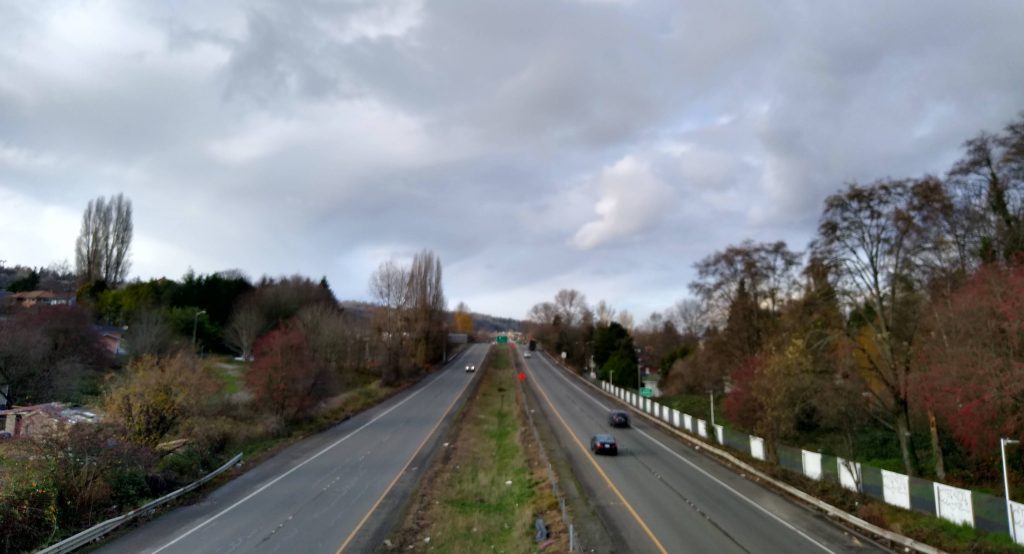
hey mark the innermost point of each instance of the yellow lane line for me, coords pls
(600, 471)
(366, 517)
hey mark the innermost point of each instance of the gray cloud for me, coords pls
(533, 145)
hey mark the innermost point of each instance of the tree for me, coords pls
(246, 325)
(871, 236)
(570, 304)
(28, 282)
(149, 334)
(972, 362)
(768, 271)
(615, 355)
(426, 308)
(154, 396)
(389, 286)
(463, 319)
(287, 379)
(993, 169)
(604, 313)
(689, 316)
(104, 242)
(47, 353)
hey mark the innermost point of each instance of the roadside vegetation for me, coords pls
(486, 489)
(893, 339)
(185, 374)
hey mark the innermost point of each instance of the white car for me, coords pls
(470, 368)
(527, 354)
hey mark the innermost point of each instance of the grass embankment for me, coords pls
(481, 495)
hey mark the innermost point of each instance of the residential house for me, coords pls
(111, 337)
(25, 421)
(42, 298)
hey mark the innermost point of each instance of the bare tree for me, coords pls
(873, 237)
(689, 316)
(543, 313)
(149, 334)
(389, 286)
(246, 325)
(102, 248)
(604, 312)
(768, 271)
(625, 319)
(570, 303)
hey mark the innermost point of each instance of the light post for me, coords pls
(712, 393)
(1006, 486)
(195, 327)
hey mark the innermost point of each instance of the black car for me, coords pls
(604, 444)
(618, 418)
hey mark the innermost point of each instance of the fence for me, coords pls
(979, 510)
(97, 531)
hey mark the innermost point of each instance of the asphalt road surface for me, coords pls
(332, 492)
(660, 495)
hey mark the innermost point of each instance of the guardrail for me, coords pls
(671, 421)
(99, 530)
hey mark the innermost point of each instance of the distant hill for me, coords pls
(482, 323)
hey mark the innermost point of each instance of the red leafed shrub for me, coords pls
(286, 378)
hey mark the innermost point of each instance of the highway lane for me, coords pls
(660, 495)
(322, 494)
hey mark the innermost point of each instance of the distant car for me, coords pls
(604, 444)
(527, 355)
(470, 368)
(618, 418)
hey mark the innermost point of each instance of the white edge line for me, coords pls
(289, 472)
(698, 468)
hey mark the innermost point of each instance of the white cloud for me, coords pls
(632, 199)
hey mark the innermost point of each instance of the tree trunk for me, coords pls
(940, 466)
(906, 448)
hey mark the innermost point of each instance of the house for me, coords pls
(25, 421)
(42, 298)
(111, 338)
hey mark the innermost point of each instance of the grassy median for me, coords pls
(481, 495)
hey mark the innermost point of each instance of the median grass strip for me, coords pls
(483, 493)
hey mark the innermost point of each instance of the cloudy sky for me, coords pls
(534, 145)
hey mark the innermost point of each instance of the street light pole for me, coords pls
(1006, 486)
(712, 393)
(195, 327)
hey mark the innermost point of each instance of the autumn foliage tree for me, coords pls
(972, 360)
(463, 319)
(287, 379)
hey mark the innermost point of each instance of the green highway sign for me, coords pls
(646, 392)
(502, 339)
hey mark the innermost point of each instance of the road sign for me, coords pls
(564, 355)
(502, 339)
(646, 392)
